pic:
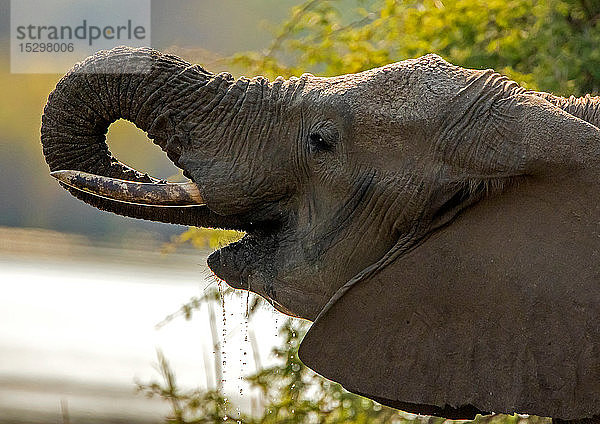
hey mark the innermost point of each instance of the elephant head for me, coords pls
(440, 225)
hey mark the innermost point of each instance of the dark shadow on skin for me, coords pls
(465, 412)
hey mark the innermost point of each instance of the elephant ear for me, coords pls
(497, 311)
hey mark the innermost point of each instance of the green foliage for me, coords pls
(551, 46)
(292, 392)
(188, 406)
(203, 238)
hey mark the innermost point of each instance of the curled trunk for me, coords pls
(139, 85)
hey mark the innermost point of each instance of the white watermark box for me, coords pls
(49, 36)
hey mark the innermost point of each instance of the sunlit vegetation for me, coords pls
(550, 45)
(203, 238)
(292, 394)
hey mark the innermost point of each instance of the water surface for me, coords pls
(79, 329)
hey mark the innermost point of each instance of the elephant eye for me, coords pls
(319, 142)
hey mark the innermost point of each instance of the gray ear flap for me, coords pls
(498, 311)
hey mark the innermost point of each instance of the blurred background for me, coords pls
(110, 319)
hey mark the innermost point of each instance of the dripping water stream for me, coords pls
(244, 346)
(223, 348)
(233, 343)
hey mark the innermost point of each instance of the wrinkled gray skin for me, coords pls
(325, 175)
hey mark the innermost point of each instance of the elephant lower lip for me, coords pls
(236, 262)
(230, 262)
(227, 268)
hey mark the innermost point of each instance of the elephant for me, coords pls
(440, 226)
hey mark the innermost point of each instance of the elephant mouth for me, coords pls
(249, 264)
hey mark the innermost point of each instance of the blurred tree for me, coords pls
(203, 238)
(551, 45)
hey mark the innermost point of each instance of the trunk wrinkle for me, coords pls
(170, 85)
(214, 114)
(242, 116)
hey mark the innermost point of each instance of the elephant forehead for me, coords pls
(386, 79)
(413, 89)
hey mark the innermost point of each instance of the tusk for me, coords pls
(154, 194)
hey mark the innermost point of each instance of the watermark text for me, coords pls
(74, 30)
